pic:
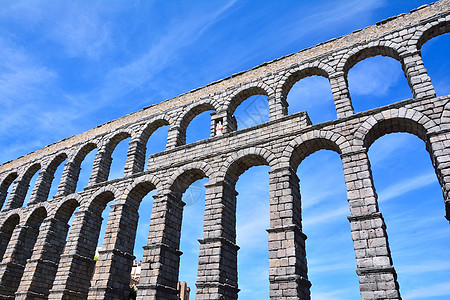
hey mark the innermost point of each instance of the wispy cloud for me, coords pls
(80, 27)
(331, 295)
(435, 290)
(327, 216)
(181, 33)
(375, 76)
(426, 266)
(407, 186)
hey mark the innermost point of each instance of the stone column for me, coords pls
(69, 179)
(173, 138)
(111, 278)
(135, 158)
(341, 95)
(100, 167)
(77, 262)
(277, 109)
(287, 256)
(439, 149)
(41, 188)
(377, 276)
(4, 186)
(217, 264)
(12, 266)
(418, 79)
(6, 232)
(18, 193)
(160, 265)
(40, 270)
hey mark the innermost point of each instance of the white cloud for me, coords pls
(406, 186)
(251, 230)
(182, 33)
(327, 216)
(374, 76)
(80, 27)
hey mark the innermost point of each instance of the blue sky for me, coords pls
(68, 66)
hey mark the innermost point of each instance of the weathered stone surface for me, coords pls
(37, 263)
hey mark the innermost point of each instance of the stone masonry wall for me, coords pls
(38, 263)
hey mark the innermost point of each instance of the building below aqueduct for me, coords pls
(38, 263)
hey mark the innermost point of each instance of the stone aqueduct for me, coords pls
(38, 263)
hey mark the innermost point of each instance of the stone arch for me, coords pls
(430, 31)
(151, 126)
(308, 143)
(395, 51)
(357, 54)
(445, 116)
(394, 120)
(251, 89)
(71, 173)
(20, 190)
(188, 114)
(36, 216)
(113, 140)
(81, 153)
(186, 175)
(4, 186)
(294, 75)
(101, 198)
(103, 160)
(243, 160)
(409, 121)
(139, 188)
(65, 210)
(6, 230)
(47, 177)
(20, 250)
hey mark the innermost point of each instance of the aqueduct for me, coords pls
(38, 263)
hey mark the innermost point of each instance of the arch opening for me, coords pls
(192, 230)
(141, 199)
(6, 188)
(251, 111)
(6, 232)
(433, 32)
(248, 213)
(29, 183)
(394, 125)
(435, 57)
(83, 164)
(252, 220)
(155, 138)
(20, 251)
(376, 81)
(55, 171)
(312, 94)
(324, 210)
(118, 147)
(188, 191)
(409, 198)
(199, 127)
